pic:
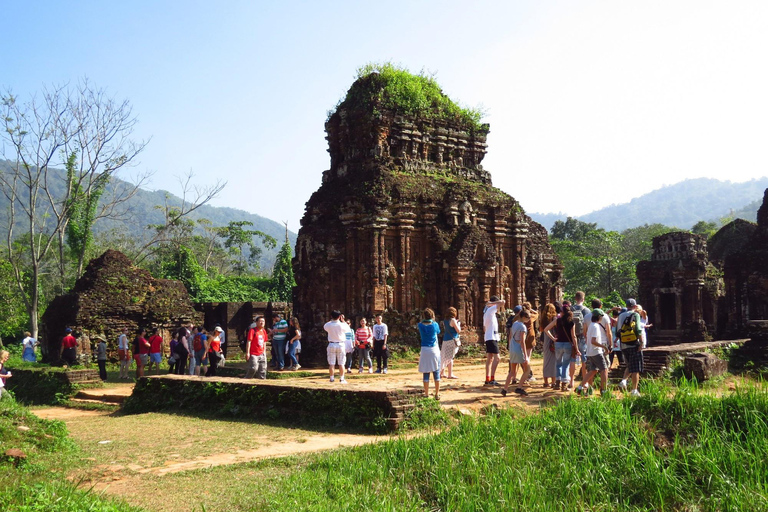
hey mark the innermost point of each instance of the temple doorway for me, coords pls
(667, 310)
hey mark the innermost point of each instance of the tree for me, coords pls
(603, 263)
(282, 274)
(177, 227)
(572, 229)
(705, 228)
(37, 135)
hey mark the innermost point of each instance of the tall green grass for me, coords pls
(687, 452)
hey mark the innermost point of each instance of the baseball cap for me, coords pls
(631, 303)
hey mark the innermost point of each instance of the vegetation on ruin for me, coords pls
(389, 87)
(437, 186)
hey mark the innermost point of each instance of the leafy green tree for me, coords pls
(571, 229)
(13, 311)
(282, 275)
(705, 228)
(603, 263)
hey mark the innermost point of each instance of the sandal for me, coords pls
(437, 397)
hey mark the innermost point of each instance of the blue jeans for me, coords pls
(292, 353)
(280, 349)
(562, 360)
(435, 375)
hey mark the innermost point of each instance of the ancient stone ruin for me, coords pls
(113, 294)
(679, 288)
(696, 290)
(406, 218)
(746, 279)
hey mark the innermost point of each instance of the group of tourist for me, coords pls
(571, 335)
(285, 338)
(344, 344)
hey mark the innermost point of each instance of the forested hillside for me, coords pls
(146, 208)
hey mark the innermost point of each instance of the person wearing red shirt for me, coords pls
(254, 349)
(69, 347)
(140, 352)
(155, 350)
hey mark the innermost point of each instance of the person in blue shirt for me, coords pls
(429, 360)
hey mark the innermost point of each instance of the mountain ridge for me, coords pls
(678, 205)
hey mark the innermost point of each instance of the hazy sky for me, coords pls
(590, 103)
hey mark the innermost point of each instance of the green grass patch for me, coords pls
(427, 414)
(58, 497)
(690, 451)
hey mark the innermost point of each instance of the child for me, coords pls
(4, 355)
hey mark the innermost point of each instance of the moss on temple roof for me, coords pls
(392, 88)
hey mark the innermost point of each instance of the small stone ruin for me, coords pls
(406, 218)
(679, 288)
(111, 295)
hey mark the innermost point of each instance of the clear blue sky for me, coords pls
(575, 92)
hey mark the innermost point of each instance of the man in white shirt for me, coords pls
(606, 323)
(492, 337)
(597, 348)
(337, 333)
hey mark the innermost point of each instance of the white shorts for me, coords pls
(336, 354)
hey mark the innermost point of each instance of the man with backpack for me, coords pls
(630, 333)
(579, 312)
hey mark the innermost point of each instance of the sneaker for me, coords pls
(503, 392)
(521, 392)
(378, 371)
(360, 370)
(384, 371)
(494, 383)
(531, 379)
(370, 370)
(343, 380)
(487, 383)
(333, 379)
(635, 393)
(297, 367)
(623, 385)
(579, 389)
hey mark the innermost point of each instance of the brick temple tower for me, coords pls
(406, 218)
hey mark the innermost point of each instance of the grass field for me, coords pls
(677, 448)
